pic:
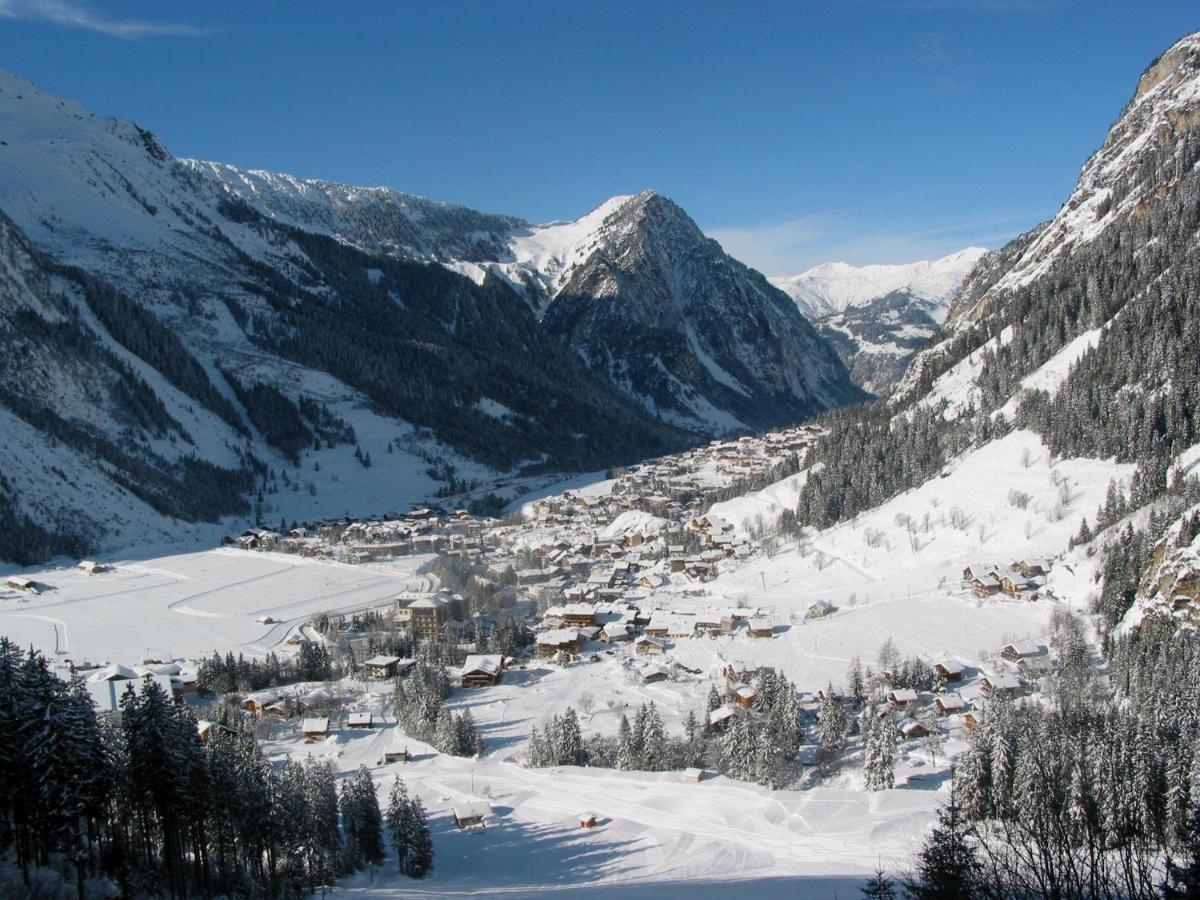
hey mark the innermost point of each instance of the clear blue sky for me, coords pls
(794, 132)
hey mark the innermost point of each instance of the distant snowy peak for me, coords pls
(836, 286)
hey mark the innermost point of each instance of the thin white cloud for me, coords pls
(72, 14)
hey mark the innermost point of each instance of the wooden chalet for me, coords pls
(949, 704)
(315, 729)
(380, 668)
(360, 720)
(482, 670)
(467, 815)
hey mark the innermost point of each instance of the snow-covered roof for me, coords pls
(489, 663)
(472, 810)
(558, 636)
(382, 661)
(317, 725)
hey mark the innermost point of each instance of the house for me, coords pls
(970, 722)
(760, 627)
(579, 615)
(653, 674)
(360, 720)
(1019, 650)
(819, 610)
(615, 632)
(20, 583)
(469, 814)
(395, 751)
(911, 729)
(1002, 685)
(682, 628)
(746, 695)
(648, 646)
(257, 703)
(692, 775)
(740, 673)
(659, 624)
(315, 729)
(902, 698)
(92, 568)
(987, 585)
(949, 704)
(552, 642)
(719, 718)
(713, 623)
(1033, 568)
(587, 820)
(948, 670)
(381, 667)
(482, 670)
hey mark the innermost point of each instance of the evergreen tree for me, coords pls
(947, 867)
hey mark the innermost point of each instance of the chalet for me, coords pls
(819, 610)
(1001, 685)
(482, 670)
(911, 729)
(740, 673)
(1019, 650)
(360, 720)
(713, 623)
(720, 718)
(315, 729)
(381, 667)
(564, 640)
(315, 699)
(257, 703)
(20, 583)
(615, 632)
(92, 568)
(987, 585)
(977, 570)
(1033, 568)
(759, 627)
(588, 634)
(1015, 584)
(948, 670)
(469, 814)
(659, 624)
(746, 695)
(682, 628)
(648, 646)
(949, 704)
(970, 722)
(652, 674)
(902, 698)
(579, 615)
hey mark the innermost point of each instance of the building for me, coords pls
(692, 775)
(315, 729)
(1002, 685)
(948, 670)
(482, 670)
(381, 668)
(587, 820)
(469, 814)
(949, 704)
(902, 698)
(579, 615)
(746, 695)
(819, 610)
(428, 615)
(565, 640)
(20, 583)
(760, 627)
(1019, 650)
(648, 646)
(360, 720)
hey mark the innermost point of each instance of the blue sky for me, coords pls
(795, 133)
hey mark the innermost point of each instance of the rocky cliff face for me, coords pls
(694, 335)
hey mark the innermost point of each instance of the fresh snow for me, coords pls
(836, 286)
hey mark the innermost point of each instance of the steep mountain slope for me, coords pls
(877, 316)
(633, 287)
(696, 336)
(295, 342)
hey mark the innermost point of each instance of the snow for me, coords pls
(194, 603)
(1054, 371)
(836, 286)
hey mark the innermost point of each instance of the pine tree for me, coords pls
(626, 750)
(655, 755)
(879, 886)
(693, 745)
(420, 856)
(947, 868)
(399, 828)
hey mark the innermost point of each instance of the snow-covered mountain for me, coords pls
(317, 340)
(877, 316)
(684, 330)
(836, 286)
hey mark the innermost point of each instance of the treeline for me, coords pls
(419, 710)
(143, 807)
(228, 674)
(1087, 798)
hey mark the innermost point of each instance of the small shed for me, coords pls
(746, 695)
(819, 610)
(316, 729)
(469, 814)
(692, 775)
(92, 567)
(21, 583)
(587, 820)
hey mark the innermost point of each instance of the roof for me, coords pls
(489, 663)
(1027, 647)
(557, 636)
(758, 623)
(903, 695)
(427, 603)
(472, 810)
(382, 661)
(951, 701)
(1003, 680)
(114, 673)
(315, 725)
(720, 714)
(356, 718)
